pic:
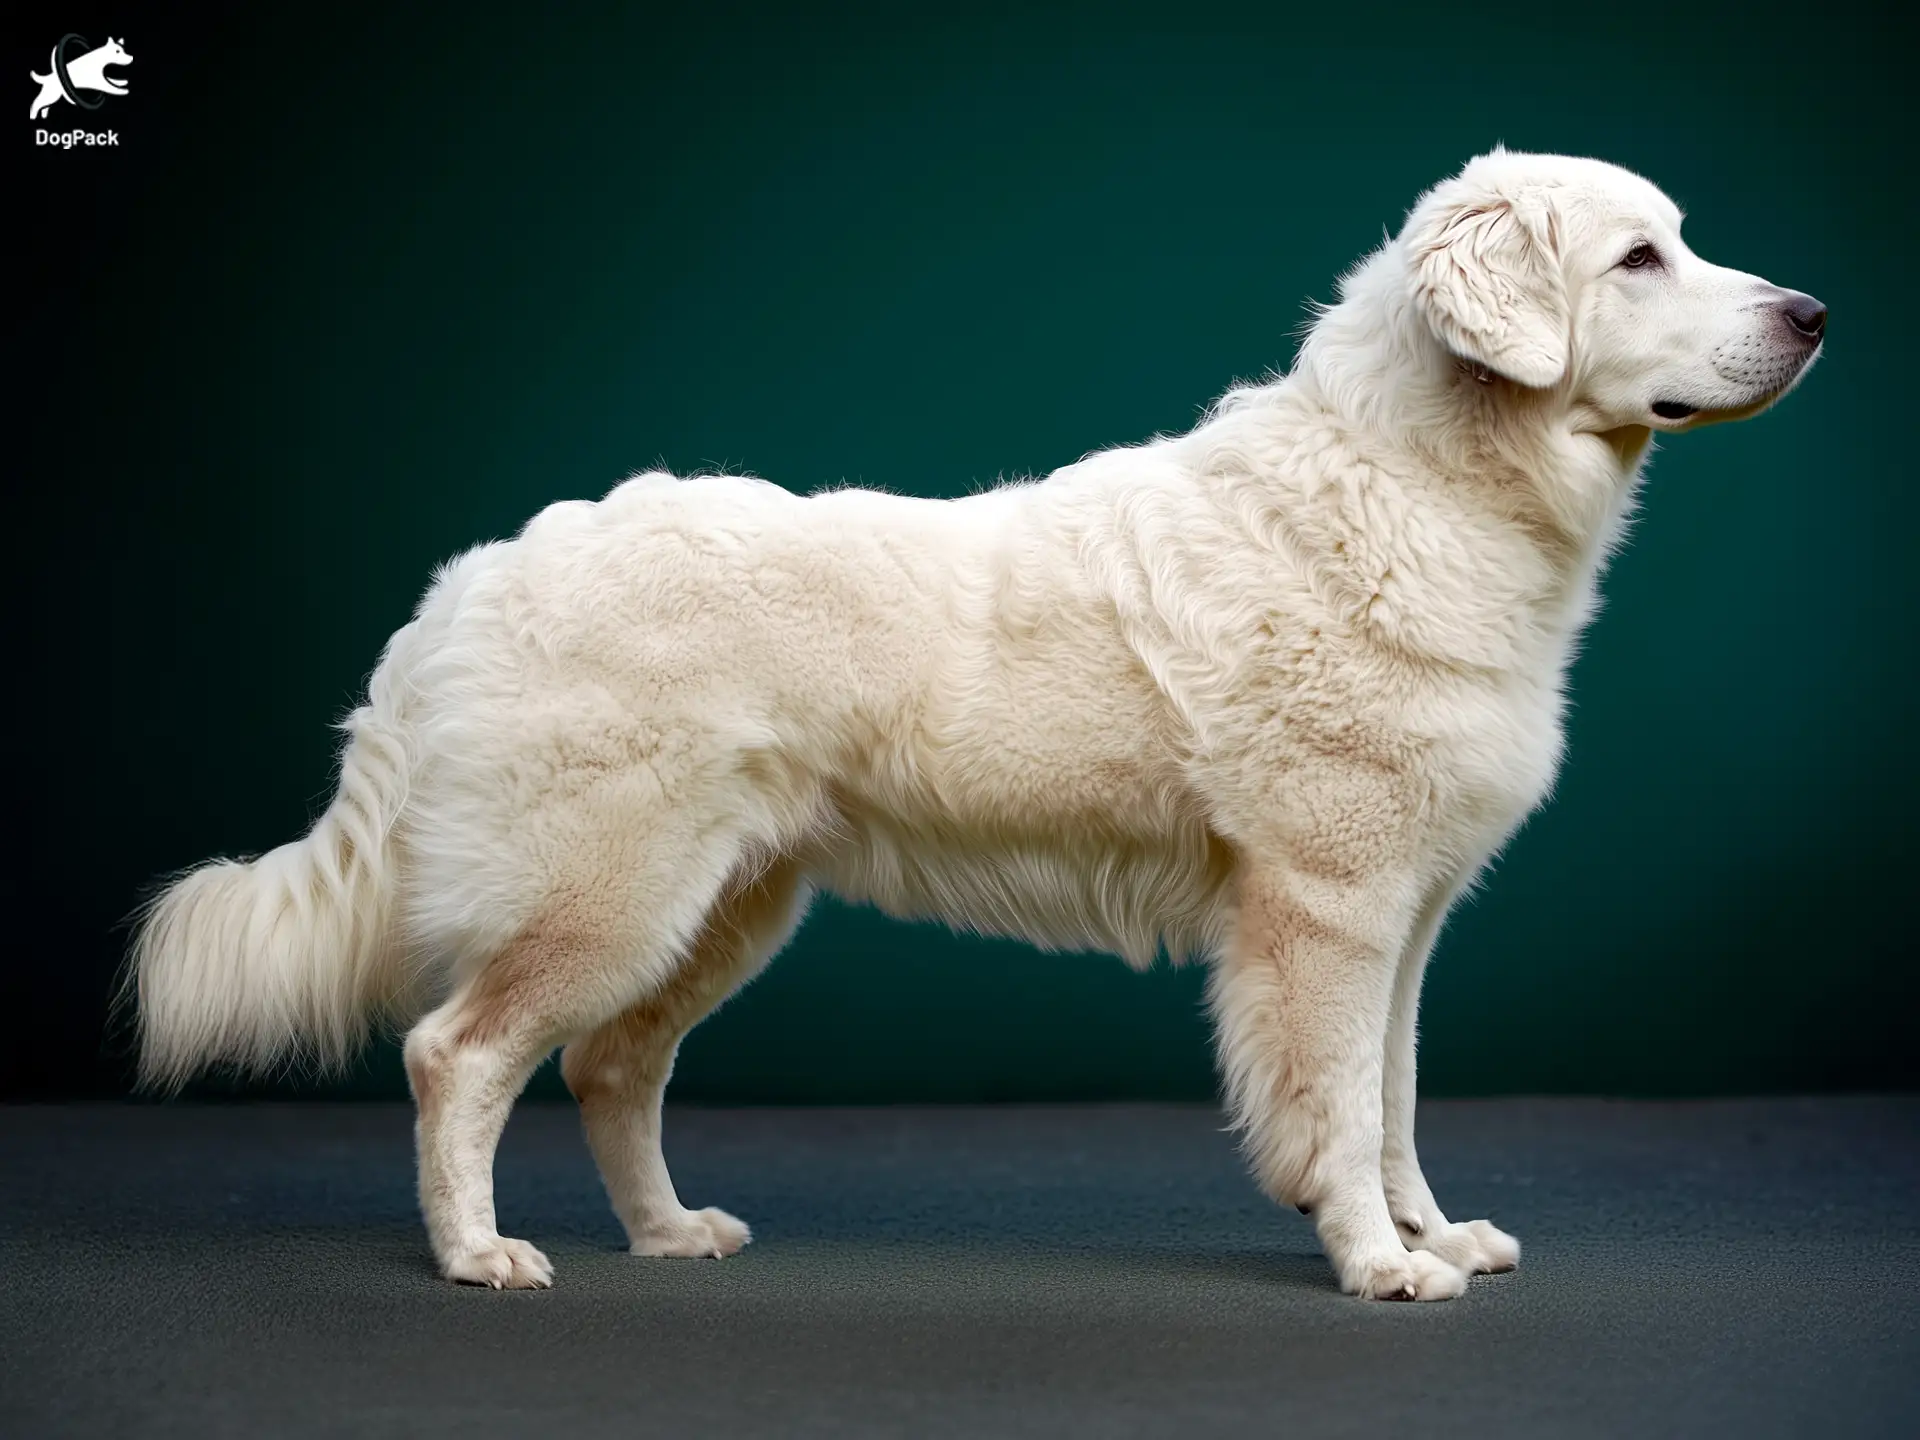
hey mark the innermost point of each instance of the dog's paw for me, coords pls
(499, 1263)
(704, 1234)
(1478, 1247)
(1408, 1275)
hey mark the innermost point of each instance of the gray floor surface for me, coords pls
(1726, 1268)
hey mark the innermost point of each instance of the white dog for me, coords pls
(88, 72)
(1269, 693)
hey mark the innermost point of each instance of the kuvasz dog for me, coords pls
(1268, 694)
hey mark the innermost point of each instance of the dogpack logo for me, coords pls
(79, 77)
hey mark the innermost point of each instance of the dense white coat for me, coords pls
(1268, 694)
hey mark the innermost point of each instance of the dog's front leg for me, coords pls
(1301, 998)
(1476, 1246)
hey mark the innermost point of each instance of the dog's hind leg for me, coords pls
(619, 1072)
(597, 944)
(49, 93)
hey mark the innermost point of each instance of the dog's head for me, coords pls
(1570, 276)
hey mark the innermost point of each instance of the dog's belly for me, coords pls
(1132, 896)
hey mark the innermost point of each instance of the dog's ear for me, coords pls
(1485, 272)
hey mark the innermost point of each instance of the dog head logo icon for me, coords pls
(74, 76)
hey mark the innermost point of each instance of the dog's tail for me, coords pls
(252, 963)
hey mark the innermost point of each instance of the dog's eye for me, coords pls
(1640, 256)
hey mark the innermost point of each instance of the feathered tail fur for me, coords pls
(250, 964)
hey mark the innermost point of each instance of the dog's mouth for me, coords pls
(1677, 415)
(1671, 415)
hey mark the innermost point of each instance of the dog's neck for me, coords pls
(1376, 367)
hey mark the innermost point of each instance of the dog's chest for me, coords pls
(1492, 758)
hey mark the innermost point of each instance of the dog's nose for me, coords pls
(1806, 315)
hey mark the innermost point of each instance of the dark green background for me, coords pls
(362, 287)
